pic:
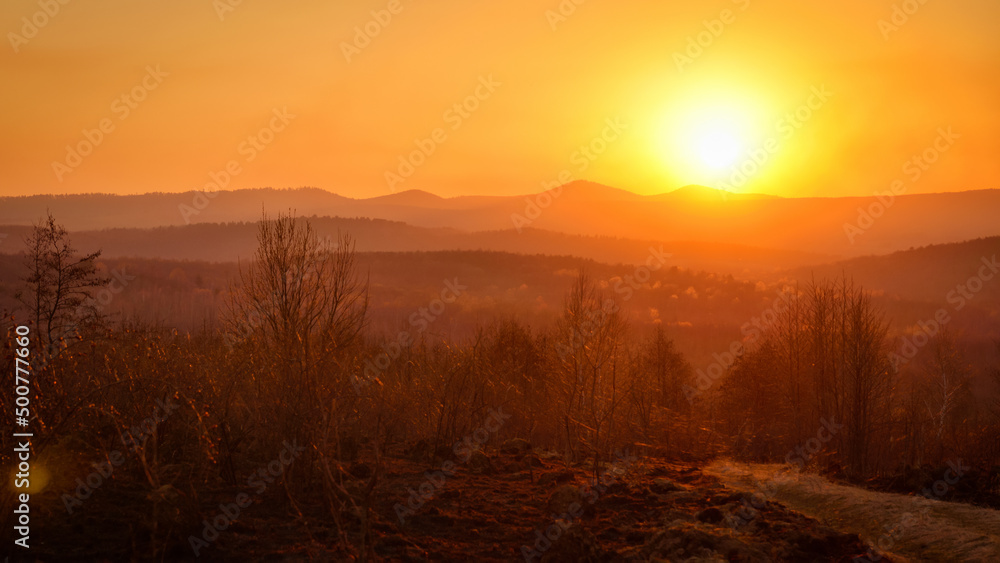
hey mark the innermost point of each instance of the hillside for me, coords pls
(927, 273)
(831, 226)
(232, 241)
(704, 310)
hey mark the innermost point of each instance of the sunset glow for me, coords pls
(699, 85)
(718, 146)
(533, 280)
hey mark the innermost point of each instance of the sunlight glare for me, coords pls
(718, 146)
(706, 131)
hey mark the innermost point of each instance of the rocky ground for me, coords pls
(518, 504)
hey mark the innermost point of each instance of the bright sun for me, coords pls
(717, 145)
(703, 136)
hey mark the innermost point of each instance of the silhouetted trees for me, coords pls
(825, 357)
(296, 341)
(591, 365)
(657, 381)
(59, 283)
(945, 381)
(296, 317)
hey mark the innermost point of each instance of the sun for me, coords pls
(717, 145)
(704, 135)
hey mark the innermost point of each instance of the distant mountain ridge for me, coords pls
(238, 241)
(850, 226)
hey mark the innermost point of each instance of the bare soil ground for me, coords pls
(517, 506)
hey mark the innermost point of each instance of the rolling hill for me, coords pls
(844, 227)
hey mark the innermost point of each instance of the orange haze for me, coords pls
(628, 78)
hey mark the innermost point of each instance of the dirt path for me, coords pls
(912, 527)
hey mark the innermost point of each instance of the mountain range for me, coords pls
(699, 220)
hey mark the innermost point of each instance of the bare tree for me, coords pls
(591, 359)
(945, 382)
(301, 297)
(669, 368)
(868, 379)
(825, 312)
(835, 343)
(750, 402)
(298, 310)
(59, 283)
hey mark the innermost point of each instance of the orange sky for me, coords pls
(556, 83)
